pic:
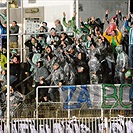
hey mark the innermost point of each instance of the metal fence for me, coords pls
(74, 124)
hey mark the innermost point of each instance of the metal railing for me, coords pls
(74, 124)
(22, 49)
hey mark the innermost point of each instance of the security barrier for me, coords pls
(118, 124)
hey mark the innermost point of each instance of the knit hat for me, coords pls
(14, 51)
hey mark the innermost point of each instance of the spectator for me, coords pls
(13, 53)
(4, 15)
(3, 61)
(3, 78)
(70, 76)
(56, 78)
(49, 58)
(120, 65)
(42, 41)
(14, 29)
(40, 74)
(35, 50)
(53, 39)
(114, 39)
(16, 98)
(4, 51)
(66, 38)
(43, 34)
(58, 26)
(84, 27)
(24, 78)
(82, 69)
(33, 45)
(45, 26)
(70, 26)
(125, 31)
(94, 67)
(14, 70)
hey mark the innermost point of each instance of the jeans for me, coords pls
(119, 78)
(53, 93)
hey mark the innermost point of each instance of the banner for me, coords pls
(106, 96)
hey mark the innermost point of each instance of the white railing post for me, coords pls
(8, 68)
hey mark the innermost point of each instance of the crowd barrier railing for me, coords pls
(74, 124)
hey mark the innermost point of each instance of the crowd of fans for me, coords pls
(71, 55)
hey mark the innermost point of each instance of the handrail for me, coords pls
(36, 33)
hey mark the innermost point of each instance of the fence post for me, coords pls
(106, 124)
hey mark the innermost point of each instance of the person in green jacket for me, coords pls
(3, 61)
(70, 25)
(3, 16)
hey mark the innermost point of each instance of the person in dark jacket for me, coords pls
(82, 69)
(14, 71)
(34, 46)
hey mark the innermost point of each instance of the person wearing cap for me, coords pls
(121, 65)
(16, 98)
(13, 53)
(131, 46)
(55, 78)
(40, 73)
(82, 69)
(94, 66)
